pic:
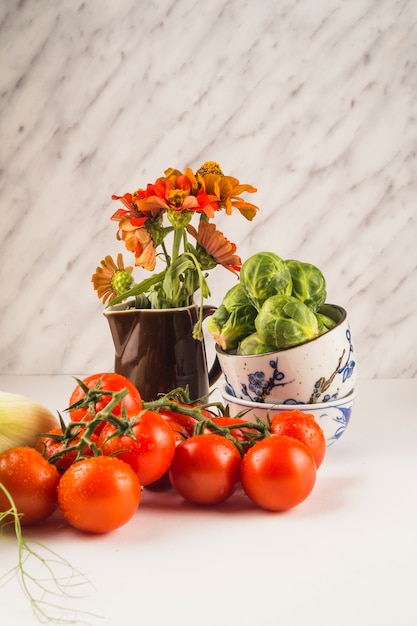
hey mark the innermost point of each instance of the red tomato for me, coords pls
(48, 446)
(99, 494)
(109, 382)
(242, 435)
(180, 434)
(278, 473)
(205, 469)
(304, 427)
(187, 421)
(32, 483)
(149, 451)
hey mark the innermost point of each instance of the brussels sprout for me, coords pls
(217, 320)
(233, 320)
(325, 323)
(308, 283)
(253, 345)
(263, 275)
(328, 317)
(332, 312)
(284, 322)
(235, 298)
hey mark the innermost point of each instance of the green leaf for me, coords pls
(171, 283)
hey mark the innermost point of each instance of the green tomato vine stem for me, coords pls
(203, 422)
(77, 435)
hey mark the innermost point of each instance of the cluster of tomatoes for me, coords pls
(94, 466)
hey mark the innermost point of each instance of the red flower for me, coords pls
(176, 192)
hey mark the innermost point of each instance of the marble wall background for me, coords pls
(314, 103)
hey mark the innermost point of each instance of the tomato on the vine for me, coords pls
(149, 450)
(99, 494)
(205, 469)
(278, 472)
(242, 435)
(31, 482)
(52, 443)
(304, 427)
(109, 381)
(180, 432)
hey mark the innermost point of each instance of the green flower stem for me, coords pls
(165, 252)
(178, 237)
(198, 328)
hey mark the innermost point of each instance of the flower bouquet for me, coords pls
(162, 212)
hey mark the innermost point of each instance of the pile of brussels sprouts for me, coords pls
(276, 305)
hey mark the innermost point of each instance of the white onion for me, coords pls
(22, 420)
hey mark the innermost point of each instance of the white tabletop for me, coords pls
(347, 555)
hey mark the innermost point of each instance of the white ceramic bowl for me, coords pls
(320, 370)
(332, 416)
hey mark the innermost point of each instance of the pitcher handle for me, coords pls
(215, 371)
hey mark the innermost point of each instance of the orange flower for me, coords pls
(132, 230)
(226, 189)
(230, 190)
(132, 202)
(176, 192)
(216, 245)
(111, 279)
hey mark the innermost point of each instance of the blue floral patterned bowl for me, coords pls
(332, 416)
(320, 370)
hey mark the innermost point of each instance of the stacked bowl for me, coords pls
(317, 377)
